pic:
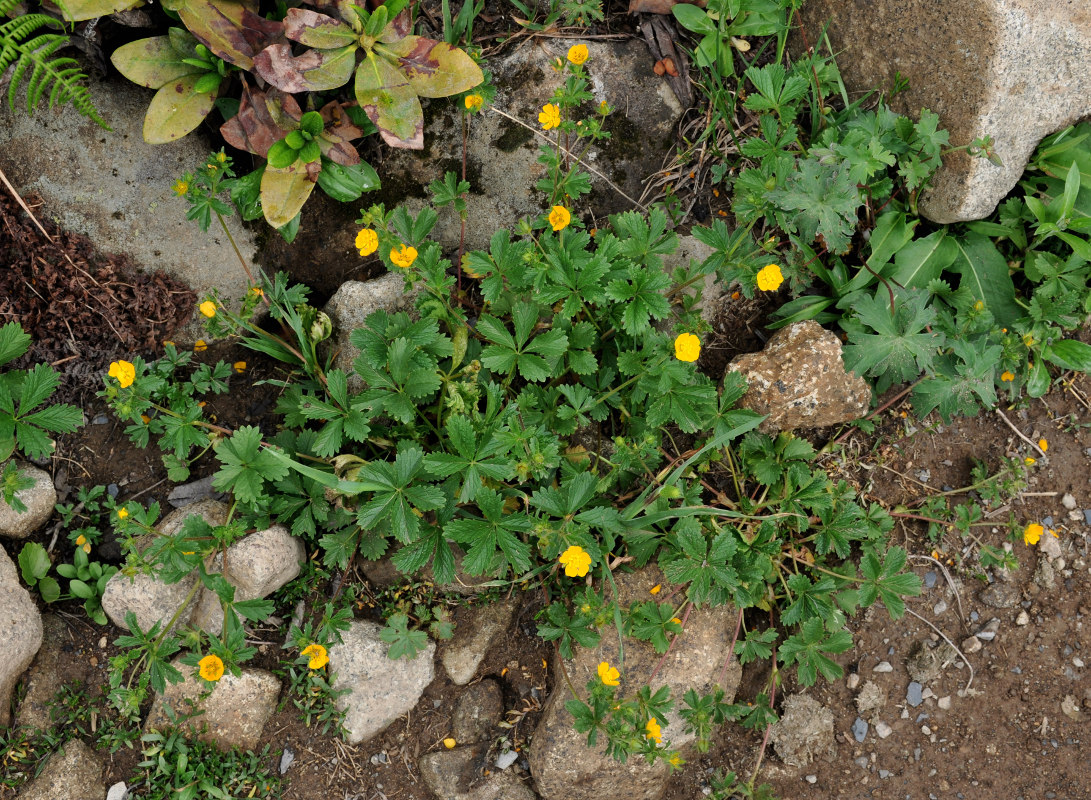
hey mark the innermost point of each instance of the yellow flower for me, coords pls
(559, 218)
(1042, 443)
(200, 346)
(474, 102)
(122, 513)
(656, 589)
(577, 54)
(124, 371)
(211, 667)
(654, 732)
(770, 278)
(979, 306)
(181, 188)
(604, 108)
(576, 561)
(221, 157)
(550, 116)
(1032, 533)
(687, 347)
(81, 540)
(87, 548)
(256, 291)
(239, 366)
(1030, 462)
(676, 761)
(403, 256)
(367, 242)
(1007, 376)
(449, 743)
(208, 308)
(317, 654)
(675, 619)
(609, 675)
(1028, 340)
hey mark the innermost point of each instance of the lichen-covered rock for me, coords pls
(463, 654)
(257, 566)
(20, 632)
(351, 305)
(149, 598)
(564, 767)
(1013, 69)
(39, 500)
(804, 731)
(234, 713)
(380, 689)
(72, 773)
(799, 380)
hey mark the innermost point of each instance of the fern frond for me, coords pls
(60, 76)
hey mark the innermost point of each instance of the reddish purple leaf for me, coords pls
(263, 119)
(310, 71)
(229, 29)
(317, 30)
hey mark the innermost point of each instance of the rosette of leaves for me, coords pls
(301, 150)
(397, 68)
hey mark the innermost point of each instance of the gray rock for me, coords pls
(72, 773)
(1069, 501)
(691, 249)
(379, 689)
(257, 566)
(1000, 594)
(115, 188)
(351, 305)
(1049, 545)
(189, 493)
(913, 694)
(502, 155)
(20, 632)
(234, 713)
(805, 731)
(286, 759)
(46, 675)
(564, 766)
(870, 699)
(1012, 69)
(149, 598)
(1045, 576)
(970, 644)
(119, 791)
(799, 379)
(882, 666)
(859, 730)
(477, 712)
(39, 500)
(464, 653)
(457, 775)
(882, 730)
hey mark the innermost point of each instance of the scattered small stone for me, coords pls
(882, 666)
(988, 633)
(971, 645)
(861, 762)
(1087, 516)
(859, 730)
(119, 791)
(924, 475)
(852, 681)
(944, 702)
(804, 732)
(1047, 522)
(1050, 546)
(974, 615)
(882, 730)
(885, 773)
(100, 419)
(811, 779)
(939, 607)
(1069, 501)
(870, 699)
(506, 759)
(926, 730)
(921, 717)
(1023, 618)
(929, 579)
(1001, 594)
(380, 758)
(1070, 707)
(286, 759)
(913, 694)
(112, 490)
(1045, 577)
(927, 693)
(1077, 662)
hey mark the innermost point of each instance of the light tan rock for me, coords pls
(39, 500)
(20, 632)
(464, 653)
(72, 773)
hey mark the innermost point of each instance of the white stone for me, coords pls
(39, 500)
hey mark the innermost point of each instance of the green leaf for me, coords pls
(640, 297)
(891, 234)
(808, 651)
(347, 183)
(317, 30)
(176, 109)
(885, 581)
(403, 642)
(899, 348)
(151, 62)
(826, 199)
(961, 383)
(284, 191)
(39, 382)
(49, 589)
(693, 19)
(1069, 354)
(390, 102)
(79, 10)
(923, 260)
(247, 465)
(14, 341)
(34, 562)
(986, 276)
(434, 69)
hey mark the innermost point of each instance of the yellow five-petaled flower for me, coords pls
(654, 732)
(181, 187)
(211, 667)
(403, 256)
(122, 513)
(1007, 376)
(367, 242)
(474, 102)
(559, 218)
(609, 675)
(1032, 533)
(687, 347)
(124, 372)
(208, 308)
(576, 561)
(550, 116)
(770, 278)
(317, 655)
(578, 54)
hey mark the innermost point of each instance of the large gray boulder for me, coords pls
(39, 500)
(464, 653)
(380, 689)
(562, 764)
(1012, 69)
(72, 773)
(20, 632)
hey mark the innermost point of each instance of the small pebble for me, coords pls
(883, 666)
(974, 616)
(939, 607)
(859, 730)
(1069, 501)
(852, 681)
(913, 694)
(884, 773)
(811, 779)
(1077, 662)
(971, 645)
(929, 579)
(100, 419)
(119, 791)
(286, 759)
(861, 762)
(944, 702)
(112, 490)
(882, 730)
(1087, 516)
(988, 633)
(1023, 618)
(926, 730)
(506, 759)
(1047, 522)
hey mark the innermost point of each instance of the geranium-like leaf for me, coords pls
(385, 95)
(263, 119)
(284, 191)
(151, 62)
(311, 71)
(229, 29)
(176, 109)
(434, 69)
(317, 30)
(79, 10)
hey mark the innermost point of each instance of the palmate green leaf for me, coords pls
(826, 199)
(756, 646)
(38, 383)
(397, 494)
(705, 567)
(899, 348)
(247, 465)
(884, 580)
(961, 384)
(809, 600)
(643, 241)
(431, 545)
(403, 642)
(808, 651)
(640, 297)
(653, 623)
(475, 458)
(496, 534)
(689, 407)
(568, 628)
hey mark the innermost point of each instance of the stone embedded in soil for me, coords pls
(477, 712)
(257, 566)
(20, 632)
(804, 732)
(74, 772)
(1000, 594)
(882, 666)
(882, 730)
(46, 675)
(1012, 69)
(859, 729)
(562, 764)
(870, 699)
(464, 653)
(234, 714)
(799, 380)
(914, 694)
(1049, 546)
(459, 775)
(351, 305)
(149, 598)
(380, 689)
(39, 500)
